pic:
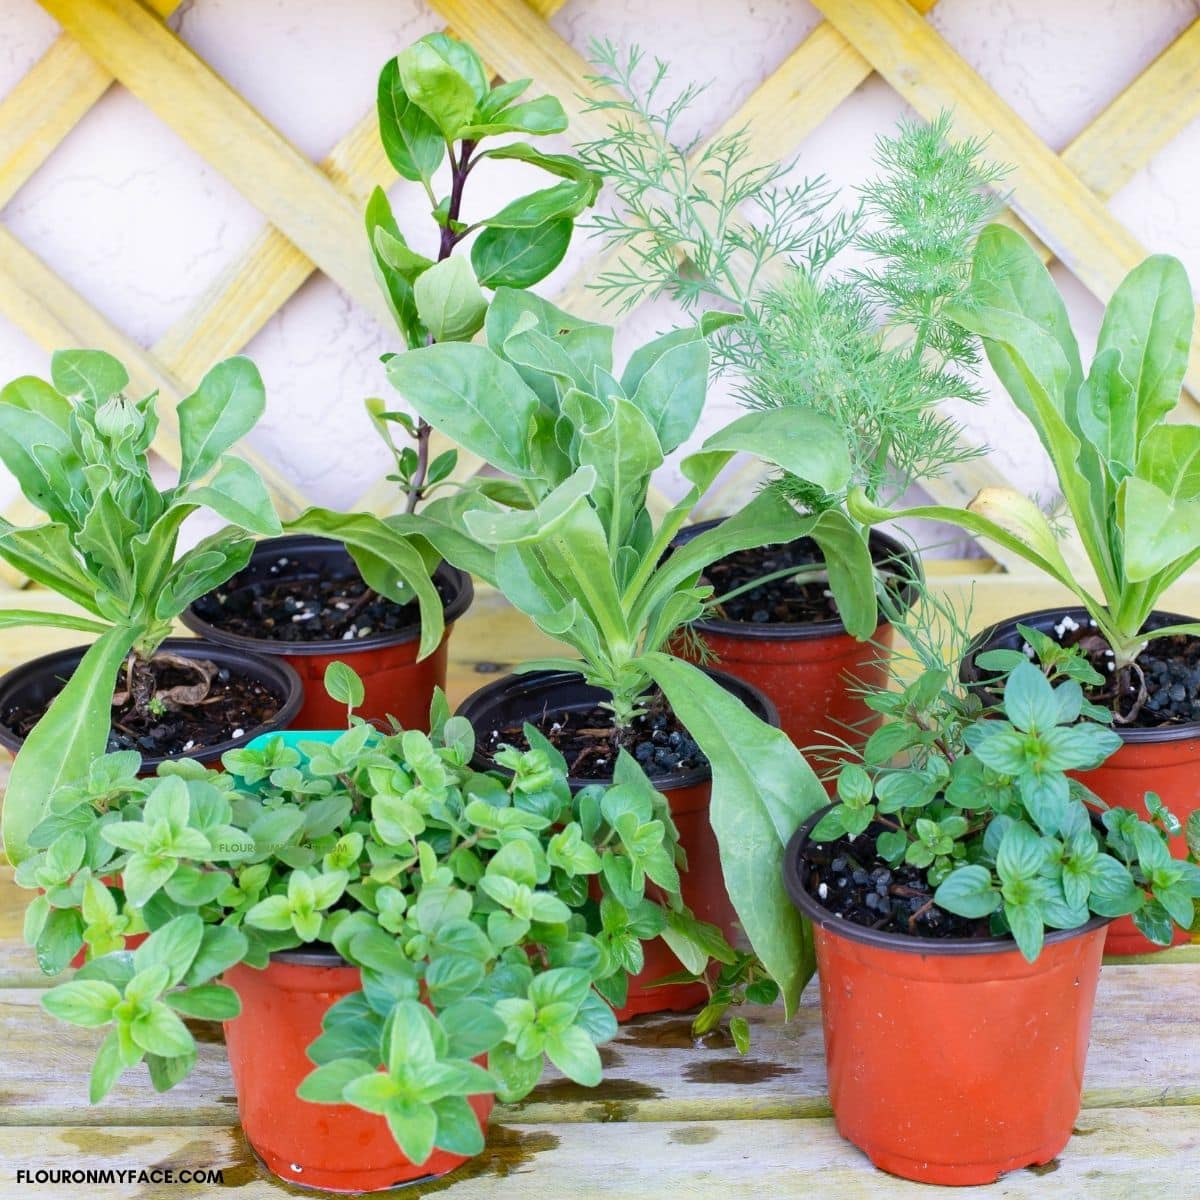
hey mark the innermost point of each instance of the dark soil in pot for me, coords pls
(587, 740)
(304, 590)
(785, 600)
(569, 714)
(1163, 690)
(852, 882)
(203, 698)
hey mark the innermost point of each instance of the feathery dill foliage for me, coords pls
(870, 347)
(874, 348)
(730, 218)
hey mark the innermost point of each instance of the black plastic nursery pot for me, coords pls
(335, 1147)
(512, 700)
(1164, 759)
(38, 681)
(395, 683)
(813, 671)
(950, 1060)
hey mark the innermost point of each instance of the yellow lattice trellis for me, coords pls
(314, 210)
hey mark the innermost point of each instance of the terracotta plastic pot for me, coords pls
(395, 683)
(336, 1147)
(41, 679)
(950, 1060)
(1164, 760)
(812, 672)
(514, 699)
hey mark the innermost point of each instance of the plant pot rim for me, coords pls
(883, 545)
(1139, 735)
(550, 680)
(458, 582)
(819, 915)
(310, 956)
(267, 670)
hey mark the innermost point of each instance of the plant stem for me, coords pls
(450, 238)
(797, 574)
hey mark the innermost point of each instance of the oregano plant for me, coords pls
(470, 902)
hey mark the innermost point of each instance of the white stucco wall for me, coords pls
(140, 225)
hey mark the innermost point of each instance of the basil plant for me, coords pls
(981, 803)
(436, 108)
(566, 535)
(488, 915)
(1128, 478)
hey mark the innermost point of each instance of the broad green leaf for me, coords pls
(63, 744)
(92, 374)
(160, 1031)
(621, 445)
(46, 555)
(396, 285)
(519, 257)
(670, 390)
(806, 444)
(472, 396)
(566, 199)
(575, 1055)
(391, 561)
(463, 57)
(411, 140)
(1148, 322)
(82, 1002)
(326, 1084)
(542, 116)
(762, 791)
(210, 1002)
(449, 301)
(224, 408)
(436, 87)
(16, 618)
(1108, 414)
(237, 494)
(34, 426)
(564, 165)
(207, 565)
(344, 685)
(458, 1129)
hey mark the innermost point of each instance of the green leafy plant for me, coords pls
(1127, 477)
(567, 537)
(980, 803)
(78, 448)
(436, 106)
(487, 914)
(876, 348)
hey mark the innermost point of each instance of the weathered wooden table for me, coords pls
(670, 1119)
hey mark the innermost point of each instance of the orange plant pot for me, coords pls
(1165, 760)
(813, 673)
(514, 699)
(394, 682)
(951, 1061)
(336, 1147)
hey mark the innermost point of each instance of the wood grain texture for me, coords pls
(1117, 1154)
(913, 57)
(1145, 1021)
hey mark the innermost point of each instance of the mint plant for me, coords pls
(488, 915)
(566, 535)
(982, 805)
(436, 106)
(1126, 475)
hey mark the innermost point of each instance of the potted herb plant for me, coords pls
(78, 448)
(567, 537)
(303, 597)
(873, 348)
(391, 937)
(1128, 482)
(959, 900)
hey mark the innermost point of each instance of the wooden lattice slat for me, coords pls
(314, 210)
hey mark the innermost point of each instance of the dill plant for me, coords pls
(873, 347)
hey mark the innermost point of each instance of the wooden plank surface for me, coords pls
(1142, 1054)
(1116, 1154)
